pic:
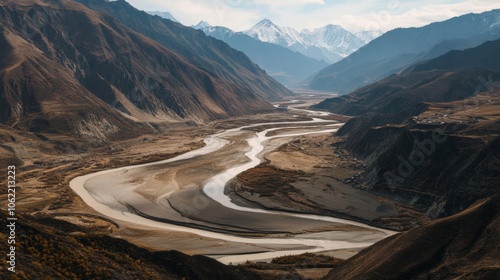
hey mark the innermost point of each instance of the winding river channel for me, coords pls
(146, 195)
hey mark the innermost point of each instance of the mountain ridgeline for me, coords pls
(402, 47)
(66, 68)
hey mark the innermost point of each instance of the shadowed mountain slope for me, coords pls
(452, 76)
(213, 56)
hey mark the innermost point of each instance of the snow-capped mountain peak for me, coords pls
(214, 31)
(267, 31)
(201, 25)
(329, 43)
(265, 22)
(333, 38)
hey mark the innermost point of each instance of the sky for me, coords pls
(355, 16)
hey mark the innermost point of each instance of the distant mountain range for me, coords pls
(330, 43)
(286, 66)
(402, 47)
(290, 56)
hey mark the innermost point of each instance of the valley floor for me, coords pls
(304, 174)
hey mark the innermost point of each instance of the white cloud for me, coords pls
(353, 15)
(217, 12)
(286, 4)
(389, 16)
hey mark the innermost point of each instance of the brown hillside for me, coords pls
(463, 246)
(66, 68)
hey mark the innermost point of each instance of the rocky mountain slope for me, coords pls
(286, 66)
(212, 56)
(402, 47)
(462, 246)
(68, 69)
(430, 139)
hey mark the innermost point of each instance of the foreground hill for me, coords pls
(463, 246)
(402, 47)
(49, 251)
(65, 68)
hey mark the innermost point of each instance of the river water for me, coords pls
(109, 206)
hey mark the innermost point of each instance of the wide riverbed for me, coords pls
(186, 194)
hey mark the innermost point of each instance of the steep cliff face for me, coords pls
(67, 68)
(440, 172)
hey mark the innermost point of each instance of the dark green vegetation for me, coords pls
(299, 267)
